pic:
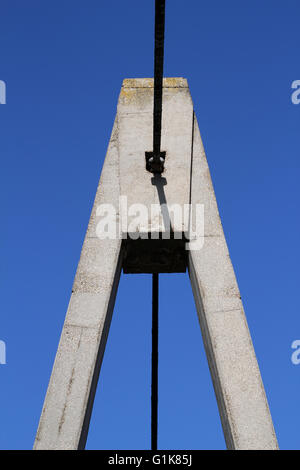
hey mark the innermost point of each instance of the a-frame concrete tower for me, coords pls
(185, 183)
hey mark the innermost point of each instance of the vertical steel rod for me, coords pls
(155, 160)
(157, 114)
(154, 385)
(158, 74)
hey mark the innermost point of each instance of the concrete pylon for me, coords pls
(118, 239)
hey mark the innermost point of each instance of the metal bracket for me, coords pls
(154, 163)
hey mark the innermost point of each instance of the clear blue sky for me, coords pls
(63, 63)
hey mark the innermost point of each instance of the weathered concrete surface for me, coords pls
(243, 407)
(66, 412)
(135, 123)
(241, 398)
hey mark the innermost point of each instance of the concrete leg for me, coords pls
(243, 406)
(68, 404)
